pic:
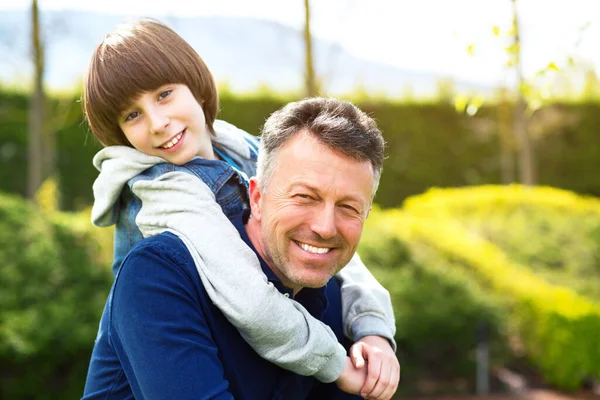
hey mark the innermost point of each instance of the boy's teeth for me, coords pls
(172, 142)
(313, 249)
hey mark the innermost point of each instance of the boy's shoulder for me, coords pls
(232, 138)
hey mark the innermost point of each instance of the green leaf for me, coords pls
(552, 67)
(471, 49)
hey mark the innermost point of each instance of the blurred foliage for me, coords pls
(451, 260)
(553, 323)
(566, 228)
(443, 144)
(55, 278)
(438, 307)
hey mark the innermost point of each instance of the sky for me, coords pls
(424, 35)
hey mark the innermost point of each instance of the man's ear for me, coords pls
(255, 199)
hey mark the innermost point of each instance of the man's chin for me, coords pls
(312, 281)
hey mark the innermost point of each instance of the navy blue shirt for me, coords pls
(160, 336)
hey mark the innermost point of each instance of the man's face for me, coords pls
(167, 122)
(312, 212)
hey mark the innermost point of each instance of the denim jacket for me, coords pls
(155, 197)
(227, 184)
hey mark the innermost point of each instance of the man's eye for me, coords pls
(350, 208)
(164, 94)
(131, 116)
(304, 196)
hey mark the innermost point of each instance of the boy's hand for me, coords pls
(383, 368)
(352, 379)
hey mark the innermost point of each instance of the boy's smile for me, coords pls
(169, 123)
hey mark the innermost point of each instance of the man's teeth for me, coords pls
(313, 249)
(173, 142)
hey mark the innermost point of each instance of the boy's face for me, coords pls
(169, 123)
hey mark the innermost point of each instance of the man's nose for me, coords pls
(323, 221)
(157, 120)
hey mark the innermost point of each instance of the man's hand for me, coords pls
(382, 365)
(352, 379)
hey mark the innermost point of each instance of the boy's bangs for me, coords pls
(124, 78)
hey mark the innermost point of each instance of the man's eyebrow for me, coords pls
(303, 185)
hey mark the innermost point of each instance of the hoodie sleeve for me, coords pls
(278, 329)
(366, 305)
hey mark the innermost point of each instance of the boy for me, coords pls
(169, 165)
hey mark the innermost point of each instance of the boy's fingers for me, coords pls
(388, 388)
(393, 384)
(356, 356)
(380, 388)
(373, 372)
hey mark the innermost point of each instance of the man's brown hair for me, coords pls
(337, 124)
(137, 57)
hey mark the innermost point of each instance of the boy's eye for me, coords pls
(131, 116)
(164, 94)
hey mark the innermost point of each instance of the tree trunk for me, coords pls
(520, 121)
(507, 162)
(36, 159)
(310, 80)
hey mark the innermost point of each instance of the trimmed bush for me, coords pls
(554, 232)
(438, 307)
(557, 327)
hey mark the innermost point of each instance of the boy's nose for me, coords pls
(158, 122)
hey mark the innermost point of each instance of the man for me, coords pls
(318, 170)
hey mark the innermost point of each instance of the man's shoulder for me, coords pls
(165, 248)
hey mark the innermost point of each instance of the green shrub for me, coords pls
(438, 307)
(55, 277)
(557, 328)
(554, 232)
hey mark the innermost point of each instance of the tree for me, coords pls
(310, 79)
(527, 175)
(36, 157)
(41, 159)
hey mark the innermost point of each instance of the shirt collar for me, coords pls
(314, 300)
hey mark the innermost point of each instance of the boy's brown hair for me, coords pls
(137, 57)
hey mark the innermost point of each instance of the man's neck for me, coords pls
(254, 233)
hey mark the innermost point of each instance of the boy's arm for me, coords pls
(366, 305)
(278, 329)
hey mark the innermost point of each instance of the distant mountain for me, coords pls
(243, 52)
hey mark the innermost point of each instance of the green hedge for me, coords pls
(428, 145)
(557, 327)
(55, 278)
(554, 232)
(438, 307)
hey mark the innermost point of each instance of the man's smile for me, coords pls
(313, 249)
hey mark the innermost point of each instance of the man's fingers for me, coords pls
(373, 371)
(356, 355)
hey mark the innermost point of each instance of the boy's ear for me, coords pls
(255, 196)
